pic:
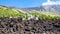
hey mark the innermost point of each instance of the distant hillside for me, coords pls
(48, 8)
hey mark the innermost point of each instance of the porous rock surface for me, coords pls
(19, 26)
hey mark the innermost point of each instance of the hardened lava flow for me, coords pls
(19, 26)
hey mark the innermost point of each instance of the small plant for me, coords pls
(57, 18)
(34, 13)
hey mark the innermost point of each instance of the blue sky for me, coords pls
(22, 3)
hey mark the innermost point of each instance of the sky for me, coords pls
(24, 3)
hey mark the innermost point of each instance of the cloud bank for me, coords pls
(51, 3)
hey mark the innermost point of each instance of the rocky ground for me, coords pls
(19, 26)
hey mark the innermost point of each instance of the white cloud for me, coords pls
(51, 3)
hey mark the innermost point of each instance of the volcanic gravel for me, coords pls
(19, 26)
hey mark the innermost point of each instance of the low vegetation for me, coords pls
(8, 12)
(44, 16)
